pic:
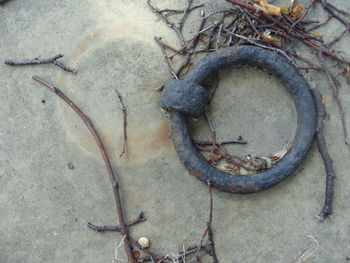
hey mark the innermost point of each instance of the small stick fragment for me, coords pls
(306, 11)
(218, 144)
(330, 10)
(140, 218)
(336, 39)
(213, 136)
(253, 42)
(217, 45)
(125, 123)
(334, 89)
(168, 22)
(307, 61)
(177, 11)
(37, 61)
(320, 25)
(112, 176)
(340, 11)
(166, 58)
(185, 14)
(208, 228)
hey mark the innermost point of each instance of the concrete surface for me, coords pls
(45, 206)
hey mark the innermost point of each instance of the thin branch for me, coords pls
(166, 58)
(125, 122)
(168, 22)
(183, 65)
(37, 61)
(250, 21)
(306, 11)
(213, 136)
(209, 143)
(330, 10)
(327, 160)
(341, 35)
(185, 14)
(192, 43)
(177, 11)
(340, 11)
(322, 24)
(253, 42)
(208, 228)
(112, 176)
(308, 61)
(334, 89)
(140, 218)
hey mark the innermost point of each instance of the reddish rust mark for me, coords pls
(146, 144)
(161, 137)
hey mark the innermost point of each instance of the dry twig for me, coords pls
(327, 160)
(140, 218)
(208, 229)
(125, 122)
(37, 61)
(112, 176)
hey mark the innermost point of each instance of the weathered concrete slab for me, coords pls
(45, 206)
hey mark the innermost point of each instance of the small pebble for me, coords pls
(144, 242)
(70, 166)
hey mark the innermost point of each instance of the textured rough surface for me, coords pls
(186, 97)
(45, 206)
(306, 120)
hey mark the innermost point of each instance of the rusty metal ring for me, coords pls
(306, 121)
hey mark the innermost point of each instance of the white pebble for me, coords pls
(144, 242)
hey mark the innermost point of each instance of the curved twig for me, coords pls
(37, 61)
(112, 176)
(327, 160)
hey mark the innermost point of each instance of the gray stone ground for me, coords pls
(45, 206)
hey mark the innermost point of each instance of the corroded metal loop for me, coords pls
(306, 120)
(184, 96)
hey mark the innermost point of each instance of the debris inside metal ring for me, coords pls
(182, 100)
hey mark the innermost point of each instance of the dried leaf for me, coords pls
(297, 11)
(316, 34)
(203, 39)
(266, 37)
(136, 255)
(267, 8)
(294, 13)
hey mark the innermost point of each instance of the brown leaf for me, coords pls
(294, 13)
(267, 8)
(347, 71)
(266, 37)
(316, 34)
(297, 11)
(203, 39)
(136, 255)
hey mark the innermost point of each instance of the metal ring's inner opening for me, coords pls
(250, 103)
